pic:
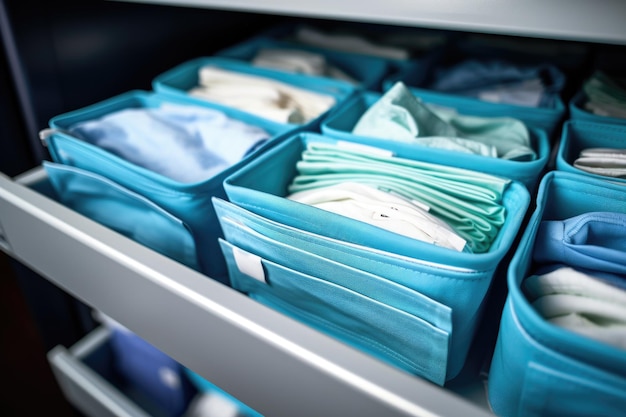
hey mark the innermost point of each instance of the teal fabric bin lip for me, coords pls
(580, 134)
(578, 112)
(179, 79)
(369, 71)
(175, 197)
(462, 291)
(547, 335)
(340, 126)
(243, 188)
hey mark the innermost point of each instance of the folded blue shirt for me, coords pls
(184, 143)
(593, 241)
(496, 80)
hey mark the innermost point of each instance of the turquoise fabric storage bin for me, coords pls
(190, 202)
(178, 80)
(577, 111)
(341, 124)
(539, 369)
(368, 71)
(580, 134)
(457, 280)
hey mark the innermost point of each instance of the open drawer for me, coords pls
(272, 363)
(85, 374)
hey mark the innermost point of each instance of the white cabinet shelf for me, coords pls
(602, 21)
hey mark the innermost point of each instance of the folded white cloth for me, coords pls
(265, 97)
(610, 162)
(384, 210)
(581, 303)
(301, 62)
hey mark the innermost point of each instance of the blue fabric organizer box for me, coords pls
(560, 348)
(147, 165)
(413, 301)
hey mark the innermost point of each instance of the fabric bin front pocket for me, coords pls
(355, 279)
(399, 338)
(460, 288)
(124, 211)
(578, 392)
(531, 378)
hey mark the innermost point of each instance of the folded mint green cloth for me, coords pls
(399, 115)
(606, 95)
(469, 201)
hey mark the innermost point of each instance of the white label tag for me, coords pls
(249, 264)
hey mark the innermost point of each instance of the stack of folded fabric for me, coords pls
(606, 95)
(501, 82)
(272, 99)
(293, 99)
(593, 148)
(584, 286)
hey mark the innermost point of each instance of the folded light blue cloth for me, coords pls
(185, 143)
(500, 81)
(594, 241)
(399, 115)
